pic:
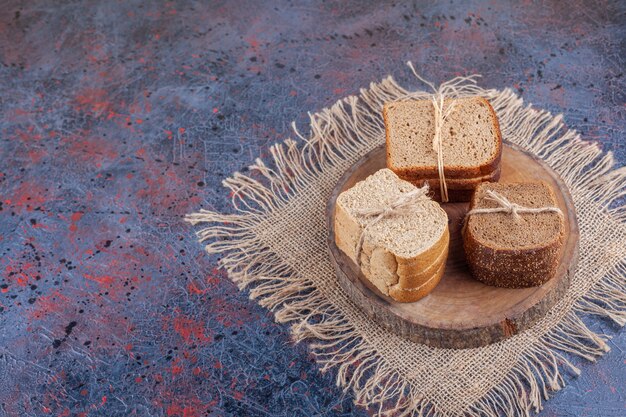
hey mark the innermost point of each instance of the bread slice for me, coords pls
(409, 242)
(466, 184)
(458, 183)
(409, 278)
(405, 277)
(471, 139)
(458, 190)
(409, 295)
(503, 252)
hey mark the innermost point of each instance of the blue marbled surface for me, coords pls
(119, 117)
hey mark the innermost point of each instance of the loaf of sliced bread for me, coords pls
(508, 252)
(471, 144)
(401, 251)
(471, 139)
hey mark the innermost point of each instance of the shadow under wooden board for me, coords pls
(460, 312)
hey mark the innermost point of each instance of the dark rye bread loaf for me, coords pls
(471, 139)
(503, 252)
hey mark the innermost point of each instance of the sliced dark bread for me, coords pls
(506, 252)
(471, 139)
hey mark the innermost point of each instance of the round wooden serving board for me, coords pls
(460, 312)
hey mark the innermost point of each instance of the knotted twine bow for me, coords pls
(507, 207)
(405, 204)
(442, 112)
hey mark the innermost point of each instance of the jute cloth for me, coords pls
(274, 244)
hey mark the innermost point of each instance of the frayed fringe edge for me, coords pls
(339, 136)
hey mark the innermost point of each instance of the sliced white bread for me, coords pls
(412, 242)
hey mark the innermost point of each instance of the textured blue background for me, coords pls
(118, 117)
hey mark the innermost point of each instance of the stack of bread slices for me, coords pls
(515, 252)
(470, 137)
(403, 255)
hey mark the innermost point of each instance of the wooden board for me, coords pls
(460, 312)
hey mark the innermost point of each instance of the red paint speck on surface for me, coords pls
(190, 412)
(47, 305)
(89, 150)
(190, 330)
(74, 219)
(28, 135)
(93, 100)
(174, 410)
(29, 195)
(36, 155)
(192, 288)
(253, 42)
(102, 280)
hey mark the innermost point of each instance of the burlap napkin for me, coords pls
(274, 244)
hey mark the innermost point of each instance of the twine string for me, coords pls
(441, 114)
(404, 204)
(506, 206)
(451, 88)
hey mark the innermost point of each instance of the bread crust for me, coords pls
(510, 260)
(410, 295)
(408, 278)
(464, 184)
(531, 277)
(458, 181)
(451, 171)
(457, 193)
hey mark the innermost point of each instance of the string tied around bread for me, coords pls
(506, 206)
(404, 204)
(454, 88)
